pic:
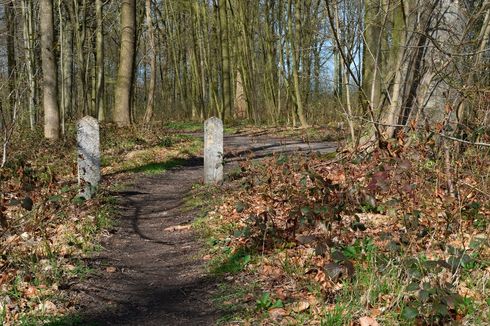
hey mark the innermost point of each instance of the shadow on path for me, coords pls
(150, 273)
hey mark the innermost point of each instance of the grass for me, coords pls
(156, 168)
(184, 126)
(47, 246)
(396, 280)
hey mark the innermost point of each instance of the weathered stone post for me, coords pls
(88, 145)
(213, 151)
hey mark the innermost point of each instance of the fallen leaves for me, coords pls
(322, 224)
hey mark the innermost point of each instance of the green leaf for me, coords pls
(305, 210)
(54, 198)
(350, 252)
(357, 226)
(413, 287)
(246, 259)
(27, 203)
(338, 256)
(278, 304)
(240, 207)
(440, 309)
(424, 295)
(282, 159)
(409, 313)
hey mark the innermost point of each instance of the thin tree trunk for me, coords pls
(153, 65)
(99, 54)
(11, 59)
(62, 59)
(225, 59)
(50, 91)
(295, 49)
(28, 33)
(67, 67)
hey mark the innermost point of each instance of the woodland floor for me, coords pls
(151, 270)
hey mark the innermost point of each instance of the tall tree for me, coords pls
(50, 88)
(29, 55)
(99, 57)
(225, 59)
(295, 40)
(123, 92)
(11, 60)
(153, 64)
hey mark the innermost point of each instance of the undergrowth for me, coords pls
(372, 239)
(47, 231)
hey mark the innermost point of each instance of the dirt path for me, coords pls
(149, 274)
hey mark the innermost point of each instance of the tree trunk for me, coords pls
(295, 49)
(225, 59)
(11, 60)
(28, 33)
(67, 66)
(371, 79)
(153, 65)
(240, 99)
(99, 55)
(50, 91)
(121, 114)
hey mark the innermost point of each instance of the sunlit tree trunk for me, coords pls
(225, 59)
(121, 114)
(50, 90)
(28, 34)
(153, 64)
(67, 66)
(372, 56)
(295, 49)
(99, 57)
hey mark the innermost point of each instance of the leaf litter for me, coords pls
(318, 226)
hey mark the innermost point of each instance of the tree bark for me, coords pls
(99, 57)
(11, 60)
(28, 33)
(121, 114)
(50, 90)
(153, 65)
(225, 60)
(295, 49)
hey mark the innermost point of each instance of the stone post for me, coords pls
(88, 145)
(213, 151)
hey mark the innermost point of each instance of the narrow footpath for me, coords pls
(150, 271)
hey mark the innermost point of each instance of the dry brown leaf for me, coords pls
(178, 227)
(47, 307)
(111, 269)
(368, 321)
(375, 312)
(301, 306)
(30, 292)
(277, 313)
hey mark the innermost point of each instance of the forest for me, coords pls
(356, 158)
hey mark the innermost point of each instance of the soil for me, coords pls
(151, 270)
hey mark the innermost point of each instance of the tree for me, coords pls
(153, 64)
(99, 57)
(50, 83)
(226, 90)
(123, 92)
